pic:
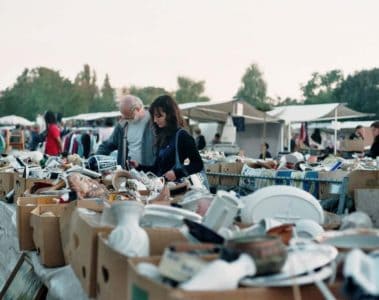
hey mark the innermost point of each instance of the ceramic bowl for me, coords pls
(284, 232)
(268, 252)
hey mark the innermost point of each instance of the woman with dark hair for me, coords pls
(168, 126)
(53, 135)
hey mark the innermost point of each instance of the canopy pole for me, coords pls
(289, 137)
(282, 125)
(335, 131)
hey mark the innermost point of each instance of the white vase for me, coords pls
(128, 237)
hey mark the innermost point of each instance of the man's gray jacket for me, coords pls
(115, 142)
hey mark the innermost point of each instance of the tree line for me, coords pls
(40, 89)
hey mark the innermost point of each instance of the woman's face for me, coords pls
(160, 118)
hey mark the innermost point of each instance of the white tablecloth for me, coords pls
(61, 282)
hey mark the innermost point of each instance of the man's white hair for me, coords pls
(131, 101)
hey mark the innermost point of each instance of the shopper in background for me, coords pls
(264, 151)
(357, 134)
(374, 151)
(200, 139)
(53, 135)
(216, 139)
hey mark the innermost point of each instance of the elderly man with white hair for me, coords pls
(133, 135)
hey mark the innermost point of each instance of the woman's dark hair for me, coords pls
(50, 118)
(375, 124)
(174, 119)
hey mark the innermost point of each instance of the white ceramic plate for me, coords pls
(308, 229)
(174, 211)
(299, 261)
(284, 203)
(321, 274)
(365, 239)
(161, 220)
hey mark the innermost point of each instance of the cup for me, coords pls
(222, 211)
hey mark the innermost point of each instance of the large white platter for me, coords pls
(284, 203)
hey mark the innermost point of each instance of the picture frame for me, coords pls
(23, 283)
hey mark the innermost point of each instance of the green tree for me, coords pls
(360, 91)
(148, 94)
(36, 91)
(253, 88)
(320, 88)
(190, 90)
(86, 90)
(106, 100)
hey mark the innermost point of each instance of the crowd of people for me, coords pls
(153, 139)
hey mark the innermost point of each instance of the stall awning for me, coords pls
(218, 112)
(15, 120)
(314, 112)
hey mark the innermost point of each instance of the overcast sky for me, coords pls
(151, 42)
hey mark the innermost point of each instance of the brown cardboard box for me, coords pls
(352, 145)
(367, 201)
(230, 168)
(65, 220)
(83, 243)
(213, 180)
(6, 183)
(21, 184)
(143, 288)
(46, 234)
(362, 179)
(23, 209)
(112, 266)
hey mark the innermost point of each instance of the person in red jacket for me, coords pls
(53, 135)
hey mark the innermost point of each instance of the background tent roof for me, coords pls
(15, 120)
(218, 112)
(94, 116)
(314, 112)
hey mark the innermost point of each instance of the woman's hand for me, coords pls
(133, 164)
(170, 175)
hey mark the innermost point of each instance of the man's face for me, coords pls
(128, 113)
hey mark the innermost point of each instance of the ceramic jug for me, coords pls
(128, 237)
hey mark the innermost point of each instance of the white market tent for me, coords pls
(94, 116)
(314, 112)
(219, 111)
(15, 120)
(259, 126)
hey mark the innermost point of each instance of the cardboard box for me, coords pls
(362, 179)
(82, 248)
(213, 180)
(46, 234)
(65, 220)
(21, 184)
(23, 209)
(352, 145)
(112, 266)
(367, 201)
(6, 184)
(143, 288)
(230, 168)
